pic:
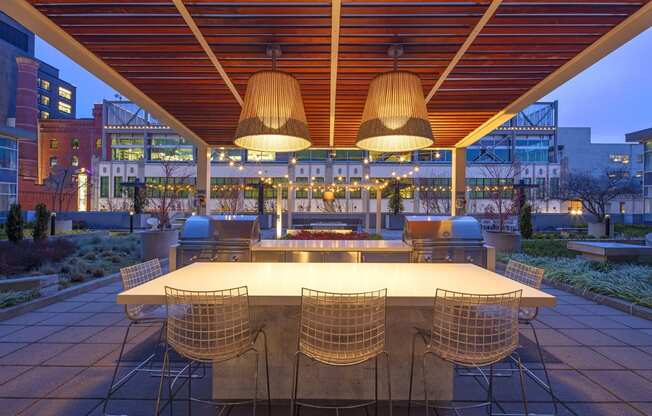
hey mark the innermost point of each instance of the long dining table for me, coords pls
(275, 297)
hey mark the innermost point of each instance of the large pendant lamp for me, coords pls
(272, 117)
(395, 117)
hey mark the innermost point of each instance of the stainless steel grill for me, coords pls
(438, 239)
(217, 238)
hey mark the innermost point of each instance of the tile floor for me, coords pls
(59, 360)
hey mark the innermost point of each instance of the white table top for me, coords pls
(408, 284)
(390, 246)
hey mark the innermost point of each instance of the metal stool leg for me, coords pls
(545, 369)
(414, 339)
(115, 370)
(164, 370)
(389, 383)
(295, 384)
(522, 378)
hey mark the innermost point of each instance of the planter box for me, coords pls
(599, 229)
(503, 241)
(156, 244)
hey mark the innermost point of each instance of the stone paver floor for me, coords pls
(58, 361)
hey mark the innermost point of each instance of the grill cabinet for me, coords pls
(438, 239)
(217, 238)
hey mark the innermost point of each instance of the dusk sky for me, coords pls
(613, 97)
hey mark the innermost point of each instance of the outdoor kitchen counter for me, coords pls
(275, 298)
(391, 246)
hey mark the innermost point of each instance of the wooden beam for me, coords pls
(625, 31)
(187, 17)
(465, 46)
(336, 6)
(32, 19)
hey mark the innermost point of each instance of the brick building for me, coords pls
(65, 153)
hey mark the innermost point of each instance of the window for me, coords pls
(98, 143)
(54, 144)
(435, 156)
(44, 84)
(225, 188)
(390, 157)
(355, 193)
(65, 107)
(65, 93)
(621, 208)
(8, 154)
(255, 156)
(575, 207)
(317, 193)
(117, 186)
(44, 115)
(44, 100)
(301, 193)
(490, 188)
(74, 161)
(554, 187)
(75, 144)
(53, 161)
(251, 188)
(541, 188)
(618, 158)
(127, 153)
(130, 189)
(104, 186)
(14, 36)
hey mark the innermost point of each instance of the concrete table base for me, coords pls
(234, 380)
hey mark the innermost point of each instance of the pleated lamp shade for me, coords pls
(272, 117)
(395, 117)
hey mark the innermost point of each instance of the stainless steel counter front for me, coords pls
(331, 251)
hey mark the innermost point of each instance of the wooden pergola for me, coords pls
(481, 62)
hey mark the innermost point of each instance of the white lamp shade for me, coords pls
(272, 117)
(395, 117)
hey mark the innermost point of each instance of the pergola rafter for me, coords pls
(482, 61)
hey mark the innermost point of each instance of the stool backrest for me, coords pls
(209, 326)
(528, 275)
(342, 328)
(136, 275)
(473, 329)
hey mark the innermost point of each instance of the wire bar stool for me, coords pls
(342, 329)
(133, 276)
(210, 327)
(472, 331)
(533, 277)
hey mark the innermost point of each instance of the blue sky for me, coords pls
(613, 97)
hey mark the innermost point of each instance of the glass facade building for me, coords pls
(8, 172)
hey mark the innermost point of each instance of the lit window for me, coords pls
(53, 161)
(624, 159)
(44, 115)
(65, 93)
(65, 107)
(44, 99)
(43, 83)
(98, 143)
(256, 156)
(74, 161)
(54, 144)
(75, 144)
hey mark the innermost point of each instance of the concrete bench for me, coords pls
(603, 251)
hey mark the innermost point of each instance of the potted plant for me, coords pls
(502, 207)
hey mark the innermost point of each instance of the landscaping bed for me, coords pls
(630, 282)
(73, 261)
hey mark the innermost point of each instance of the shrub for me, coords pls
(90, 256)
(525, 221)
(547, 248)
(79, 225)
(12, 298)
(26, 256)
(97, 272)
(14, 225)
(41, 224)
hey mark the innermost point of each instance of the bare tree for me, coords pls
(435, 201)
(169, 194)
(61, 183)
(502, 201)
(229, 200)
(596, 191)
